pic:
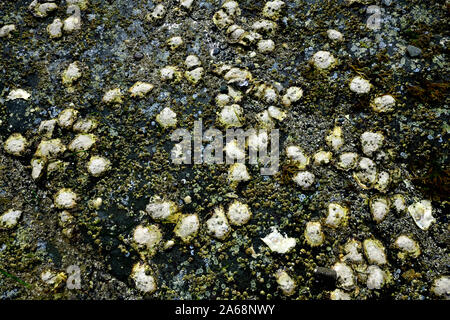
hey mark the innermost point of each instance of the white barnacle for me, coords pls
(222, 100)
(97, 166)
(175, 42)
(54, 29)
(360, 85)
(148, 238)
(43, 9)
(374, 251)
(158, 12)
(231, 116)
(323, 60)
(345, 276)
(292, 95)
(264, 26)
(192, 61)
(218, 225)
(276, 113)
(337, 215)
(187, 227)
(304, 179)
(85, 125)
(383, 181)
(170, 73)
(366, 175)
(73, 22)
(16, 144)
(322, 157)
(384, 103)
(50, 148)
(334, 35)
(422, 214)
(398, 202)
(441, 287)
(237, 75)
(144, 282)
(47, 127)
(67, 117)
(82, 142)
(313, 233)
(353, 251)
(265, 46)
(272, 9)
(65, 199)
(187, 4)
(37, 167)
(167, 118)
(71, 74)
(347, 161)
(408, 247)
(18, 94)
(6, 30)
(371, 142)
(285, 282)
(334, 139)
(279, 243)
(194, 76)
(237, 173)
(376, 278)
(140, 89)
(298, 156)
(10, 218)
(264, 119)
(339, 294)
(379, 207)
(234, 150)
(160, 209)
(238, 213)
(113, 96)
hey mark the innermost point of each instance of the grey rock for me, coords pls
(414, 51)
